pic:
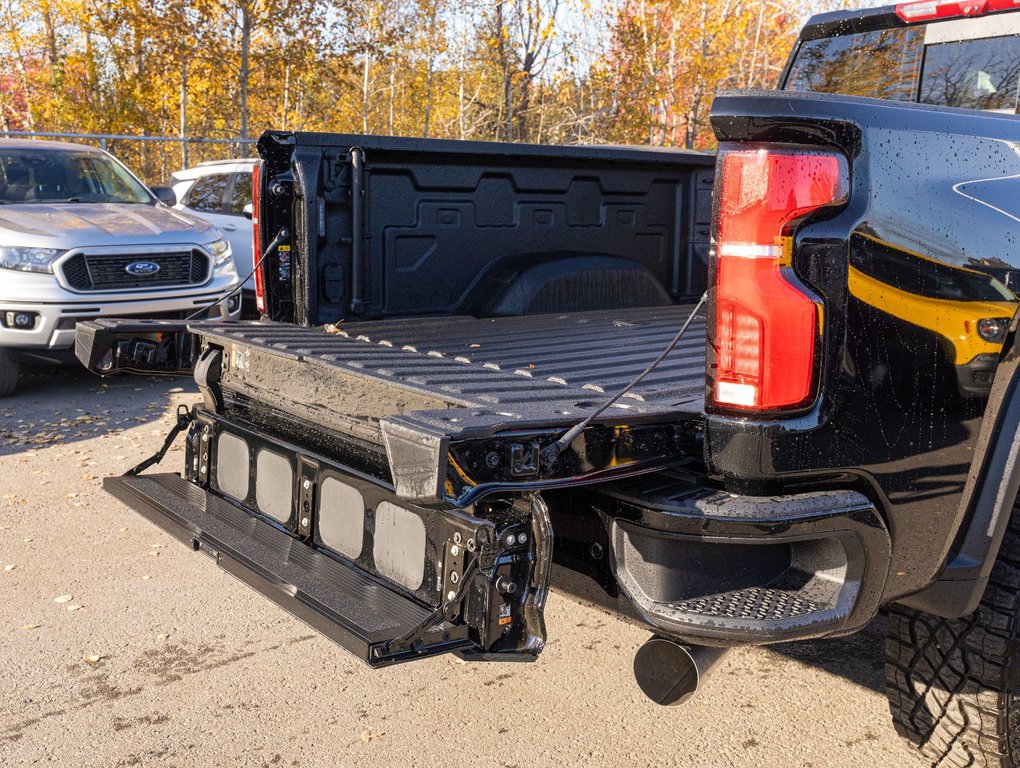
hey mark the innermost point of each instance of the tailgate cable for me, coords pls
(184, 417)
(282, 235)
(552, 451)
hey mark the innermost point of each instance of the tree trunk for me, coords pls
(460, 92)
(393, 95)
(286, 93)
(19, 62)
(247, 22)
(364, 93)
(183, 132)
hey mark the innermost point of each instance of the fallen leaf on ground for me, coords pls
(63, 599)
(93, 659)
(10, 567)
(73, 607)
(29, 627)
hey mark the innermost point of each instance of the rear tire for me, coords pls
(9, 370)
(954, 684)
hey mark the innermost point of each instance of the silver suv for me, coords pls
(81, 237)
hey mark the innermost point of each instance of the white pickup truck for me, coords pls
(81, 237)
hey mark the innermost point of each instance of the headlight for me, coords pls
(220, 250)
(993, 329)
(29, 259)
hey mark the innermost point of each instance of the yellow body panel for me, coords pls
(956, 321)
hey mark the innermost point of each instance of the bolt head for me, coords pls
(307, 484)
(522, 538)
(454, 550)
(510, 539)
(304, 522)
(454, 577)
(450, 595)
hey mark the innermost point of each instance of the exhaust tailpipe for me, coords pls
(670, 673)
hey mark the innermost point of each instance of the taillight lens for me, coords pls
(766, 322)
(256, 238)
(929, 10)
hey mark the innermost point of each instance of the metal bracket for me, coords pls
(307, 473)
(446, 611)
(184, 417)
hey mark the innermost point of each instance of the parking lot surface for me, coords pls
(122, 647)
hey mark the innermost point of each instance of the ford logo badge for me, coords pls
(142, 268)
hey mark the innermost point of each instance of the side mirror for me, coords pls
(247, 211)
(165, 195)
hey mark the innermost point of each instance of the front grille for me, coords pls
(94, 272)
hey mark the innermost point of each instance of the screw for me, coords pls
(307, 484)
(510, 539)
(506, 586)
(470, 545)
(450, 595)
(522, 538)
(454, 550)
(456, 537)
(596, 551)
(492, 459)
(304, 522)
(454, 577)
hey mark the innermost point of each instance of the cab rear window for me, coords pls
(881, 64)
(981, 71)
(975, 74)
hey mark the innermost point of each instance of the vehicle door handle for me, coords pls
(228, 228)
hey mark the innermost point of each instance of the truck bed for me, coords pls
(533, 370)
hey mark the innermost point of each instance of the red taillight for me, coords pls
(929, 10)
(766, 321)
(256, 238)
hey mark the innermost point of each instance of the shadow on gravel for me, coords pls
(63, 404)
(859, 658)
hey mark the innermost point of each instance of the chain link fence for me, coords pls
(152, 158)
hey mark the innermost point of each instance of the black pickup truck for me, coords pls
(743, 399)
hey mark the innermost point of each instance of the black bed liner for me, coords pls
(541, 369)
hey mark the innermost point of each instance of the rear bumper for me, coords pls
(709, 567)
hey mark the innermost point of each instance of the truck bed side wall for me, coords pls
(448, 227)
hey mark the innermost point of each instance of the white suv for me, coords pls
(81, 237)
(220, 192)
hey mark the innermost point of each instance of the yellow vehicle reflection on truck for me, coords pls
(970, 311)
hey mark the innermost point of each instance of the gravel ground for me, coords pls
(121, 647)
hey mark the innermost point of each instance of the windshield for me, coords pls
(914, 64)
(46, 175)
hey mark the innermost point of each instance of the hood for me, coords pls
(78, 225)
